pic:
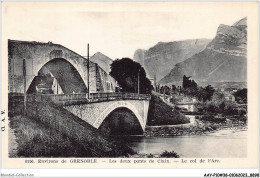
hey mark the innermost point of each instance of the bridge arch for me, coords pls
(121, 121)
(115, 105)
(36, 55)
(67, 75)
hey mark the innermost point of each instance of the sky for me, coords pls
(116, 29)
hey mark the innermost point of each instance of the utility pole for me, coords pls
(138, 82)
(88, 72)
(13, 88)
(57, 86)
(24, 83)
(163, 93)
(155, 82)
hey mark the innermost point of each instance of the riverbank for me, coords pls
(194, 146)
(198, 127)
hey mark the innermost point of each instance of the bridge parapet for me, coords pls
(118, 96)
(68, 99)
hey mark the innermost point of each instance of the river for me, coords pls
(221, 144)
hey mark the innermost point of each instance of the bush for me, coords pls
(225, 107)
(230, 108)
(211, 118)
(169, 154)
(241, 95)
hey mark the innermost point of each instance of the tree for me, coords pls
(125, 72)
(209, 92)
(188, 83)
(241, 95)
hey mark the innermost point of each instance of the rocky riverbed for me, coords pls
(199, 127)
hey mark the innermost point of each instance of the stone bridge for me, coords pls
(29, 62)
(95, 109)
(96, 113)
(67, 67)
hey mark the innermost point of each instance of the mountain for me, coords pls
(162, 57)
(223, 60)
(102, 60)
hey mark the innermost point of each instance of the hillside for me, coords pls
(55, 132)
(162, 114)
(162, 57)
(223, 60)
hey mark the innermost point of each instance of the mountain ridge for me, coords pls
(223, 59)
(159, 59)
(102, 60)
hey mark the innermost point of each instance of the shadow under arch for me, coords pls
(64, 72)
(121, 121)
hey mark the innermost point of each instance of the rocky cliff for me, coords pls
(223, 60)
(162, 57)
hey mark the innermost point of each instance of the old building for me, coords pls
(229, 97)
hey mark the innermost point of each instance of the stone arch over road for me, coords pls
(36, 55)
(66, 75)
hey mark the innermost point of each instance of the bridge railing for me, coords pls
(54, 97)
(119, 96)
(93, 97)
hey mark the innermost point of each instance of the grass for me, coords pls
(55, 132)
(38, 140)
(162, 114)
